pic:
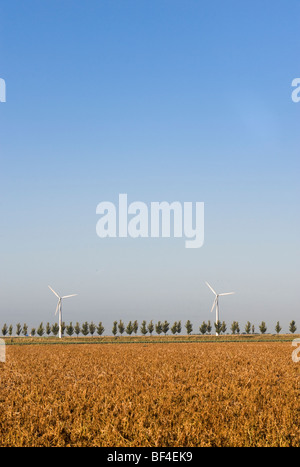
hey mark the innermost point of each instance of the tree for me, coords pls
(100, 329)
(4, 329)
(278, 327)
(208, 327)
(293, 327)
(158, 328)
(25, 329)
(129, 328)
(179, 327)
(33, 332)
(218, 327)
(253, 329)
(77, 329)
(151, 327)
(174, 328)
(85, 328)
(135, 327)
(63, 327)
(248, 327)
(223, 327)
(262, 327)
(235, 327)
(115, 328)
(48, 329)
(203, 328)
(55, 329)
(121, 327)
(70, 329)
(10, 330)
(143, 328)
(92, 328)
(18, 329)
(40, 330)
(189, 327)
(165, 327)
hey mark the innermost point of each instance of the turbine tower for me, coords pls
(216, 301)
(59, 308)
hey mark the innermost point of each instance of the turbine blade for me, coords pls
(228, 293)
(211, 288)
(68, 296)
(54, 291)
(57, 306)
(214, 304)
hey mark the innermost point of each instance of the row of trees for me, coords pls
(249, 328)
(85, 329)
(161, 327)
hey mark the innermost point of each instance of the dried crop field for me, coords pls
(207, 394)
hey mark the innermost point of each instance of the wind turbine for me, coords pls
(59, 307)
(216, 301)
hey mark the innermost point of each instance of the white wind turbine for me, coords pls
(59, 308)
(216, 301)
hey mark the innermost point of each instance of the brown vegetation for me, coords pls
(189, 394)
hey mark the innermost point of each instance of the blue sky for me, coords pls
(162, 100)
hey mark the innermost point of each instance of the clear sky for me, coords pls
(164, 100)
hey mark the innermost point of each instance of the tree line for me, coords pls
(132, 327)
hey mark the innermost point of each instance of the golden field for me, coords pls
(168, 395)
